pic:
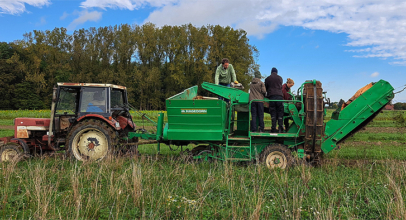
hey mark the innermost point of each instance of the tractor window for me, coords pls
(93, 100)
(67, 103)
(117, 98)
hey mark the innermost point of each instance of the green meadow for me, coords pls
(364, 179)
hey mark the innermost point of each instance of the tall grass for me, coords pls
(366, 179)
(167, 187)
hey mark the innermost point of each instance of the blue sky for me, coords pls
(344, 45)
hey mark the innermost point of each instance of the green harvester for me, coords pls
(221, 130)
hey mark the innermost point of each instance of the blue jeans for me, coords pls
(226, 85)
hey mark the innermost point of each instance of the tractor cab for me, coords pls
(80, 99)
(75, 102)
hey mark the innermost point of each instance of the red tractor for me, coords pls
(87, 121)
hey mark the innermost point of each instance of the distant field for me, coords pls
(364, 179)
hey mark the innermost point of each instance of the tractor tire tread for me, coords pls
(277, 147)
(112, 137)
(16, 147)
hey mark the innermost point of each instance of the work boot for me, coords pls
(273, 128)
(280, 125)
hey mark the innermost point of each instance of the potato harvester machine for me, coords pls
(221, 130)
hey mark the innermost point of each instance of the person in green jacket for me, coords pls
(225, 74)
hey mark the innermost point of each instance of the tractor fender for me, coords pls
(22, 143)
(124, 122)
(111, 122)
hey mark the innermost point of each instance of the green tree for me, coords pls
(400, 106)
(152, 62)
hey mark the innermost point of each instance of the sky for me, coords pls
(345, 44)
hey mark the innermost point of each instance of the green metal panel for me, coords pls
(297, 121)
(201, 120)
(234, 95)
(243, 123)
(356, 113)
(187, 94)
(165, 135)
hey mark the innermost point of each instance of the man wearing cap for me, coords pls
(257, 92)
(273, 84)
(225, 74)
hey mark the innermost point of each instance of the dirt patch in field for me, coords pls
(7, 127)
(377, 130)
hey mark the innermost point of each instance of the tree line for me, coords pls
(153, 62)
(399, 106)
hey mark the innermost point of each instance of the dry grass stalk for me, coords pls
(137, 183)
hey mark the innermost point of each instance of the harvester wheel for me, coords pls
(91, 140)
(11, 152)
(276, 156)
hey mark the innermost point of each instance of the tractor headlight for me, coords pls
(117, 124)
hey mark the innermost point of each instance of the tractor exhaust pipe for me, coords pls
(51, 123)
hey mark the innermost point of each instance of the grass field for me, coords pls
(364, 179)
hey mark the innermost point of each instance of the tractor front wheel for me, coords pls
(276, 156)
(11, 152)
(91, 140)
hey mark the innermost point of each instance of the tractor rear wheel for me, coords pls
(91, 140)
(276, 156)
(11, 152)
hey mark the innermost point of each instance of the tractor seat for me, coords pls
(94, 108)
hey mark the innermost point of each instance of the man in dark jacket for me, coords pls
(273, 84)
(257, 92)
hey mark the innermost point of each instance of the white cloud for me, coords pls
(124, 4)
(84, 16)
(375, 74)
(64, 15)
(398, 63)
(18, 6)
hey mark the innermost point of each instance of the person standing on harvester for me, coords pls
(257, 92)
(286, 96)
(273, 84)
(225, 74)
